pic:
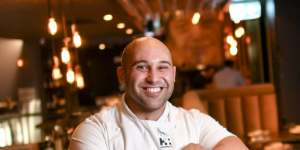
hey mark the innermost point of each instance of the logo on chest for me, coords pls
(165, 142)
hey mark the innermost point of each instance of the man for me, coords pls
(145, 120)
(228, 77)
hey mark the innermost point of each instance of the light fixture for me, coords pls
(244, 10)
(129, 31)
(107, 17)
(65, 55)
(231, 41)
(56, 73)
(79, 78)
(76, 37)
(236, 21)
(239, 32)
(196, 18)
(121, 25)
(102, 46)
(52, 26)
(70, 75)
(233, 50)
(20, 63)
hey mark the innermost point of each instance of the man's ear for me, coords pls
(174, 73)
(121, 75)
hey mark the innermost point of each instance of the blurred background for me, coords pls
(58, 57)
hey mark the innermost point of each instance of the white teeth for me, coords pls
(153, 90)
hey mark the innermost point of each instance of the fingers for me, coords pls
(193, 146)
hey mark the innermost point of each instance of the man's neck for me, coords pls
(144, 114)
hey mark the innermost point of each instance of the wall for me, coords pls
(288, 36)
(10, 51)
(12, 77)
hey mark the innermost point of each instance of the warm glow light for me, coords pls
(107, 17)
(129, 31)
(52, 26)
(236, 21)
(239, 32)
(245, 10)
(65, 55)
(121, 25)
(196, 18)
(55, 61)
(79, 80)
(231, 41)
(70, 76)
(233, 51)
(56, 73)
(20, 63)
(200, 66)
(76, 39)
(102, 46)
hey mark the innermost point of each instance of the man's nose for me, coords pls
(152, 76)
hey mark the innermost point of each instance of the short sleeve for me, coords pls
(88, 135)
(211, 132)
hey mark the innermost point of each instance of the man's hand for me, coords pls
(193, 146)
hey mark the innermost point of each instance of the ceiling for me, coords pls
(27, 19)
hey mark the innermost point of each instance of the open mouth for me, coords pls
(152, 91)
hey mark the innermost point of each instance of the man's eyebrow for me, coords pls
(138, 62)
(144, 61)
(166, 62)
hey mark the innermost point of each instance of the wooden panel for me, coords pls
(249, 108)
(269, 113)
(217, 110)
(22, 147)
(234, 116)
(239, 91)
(191, 100)
(251, 113)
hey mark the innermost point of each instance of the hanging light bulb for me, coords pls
(79, 78)
(233, 50)
(55, 61)
(65, 55)
(196, 18)
(70, 75)
(239, 32)
(52, 26)
(20, 63)
(76, 39)
(231, 41)
(56, 73)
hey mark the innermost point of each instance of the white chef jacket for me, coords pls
(117, 128)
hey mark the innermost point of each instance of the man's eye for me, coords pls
(141, 67)
(163, 67)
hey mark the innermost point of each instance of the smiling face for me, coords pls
(148, 74)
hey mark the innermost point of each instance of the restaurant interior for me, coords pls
(58, 61)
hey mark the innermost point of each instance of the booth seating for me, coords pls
(241, 110)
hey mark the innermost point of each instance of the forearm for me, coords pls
(230, 143)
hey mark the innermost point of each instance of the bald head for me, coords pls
(141, 44)
(148, 75)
